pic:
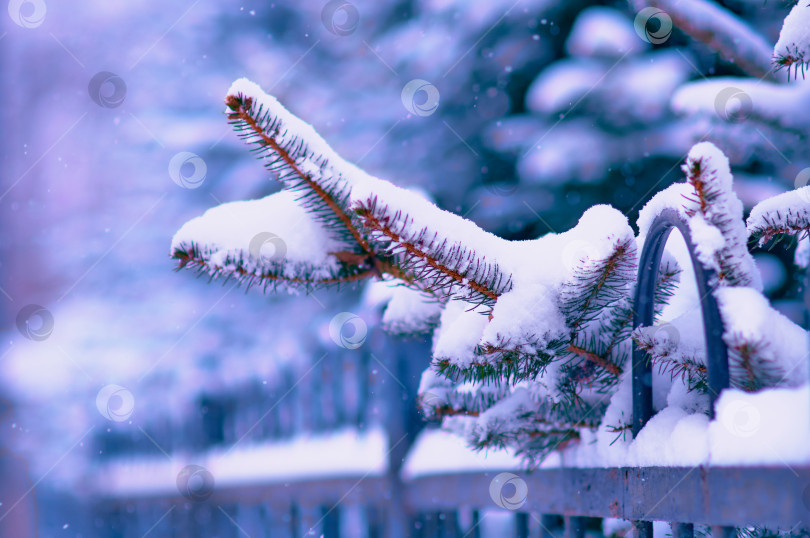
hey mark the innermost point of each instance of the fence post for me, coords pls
(574, 527)
(548, 522)
(522, 525)
(475, 530)
(683, 530)
(723, 532)
(643, 529)
(716, 350)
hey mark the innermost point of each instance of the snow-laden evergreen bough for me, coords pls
(531, 339)
(752, 113)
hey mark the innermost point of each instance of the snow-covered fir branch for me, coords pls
(715, 218)
(297, 155)
(450, 269)
(531, 339)
(784, 214)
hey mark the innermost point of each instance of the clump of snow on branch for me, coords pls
(270, 239)
(792, 51)
(407, 311)
(765, 347)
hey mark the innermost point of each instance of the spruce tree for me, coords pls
(531, 339)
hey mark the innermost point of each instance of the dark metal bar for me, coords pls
(723, 532)
(683, 530)
(450, 524)
(330, 521)
(295, 520)
(716, 351)
(574, 527)
(643, 529)
(806, 295)
(522, 525)
(316, 397)
(740, 496)
(276, 520)
(374, 518)
(364, 389)
(309, 519)
(338, 392)
(548, 523)
(476, 525)
(429, 524)
(289, 404)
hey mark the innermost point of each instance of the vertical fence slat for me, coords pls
(451, 526)
(429, 524)
(522, 525)
(364, 392)
(330, 521)
(723, 532)
(643, 529)
(310, 522)
(317, 420)
(374, 521)
(288, 402)
(396, 521)
(338, 395)
(266, 521)
(276, 520)
(574, 527)
(248, 517)
(548, 523)
(683, 530)
(295, 520)
(475, 530)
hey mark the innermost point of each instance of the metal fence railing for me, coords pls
(560, 501)
(720, 497)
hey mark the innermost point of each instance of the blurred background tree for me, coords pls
(545, 108)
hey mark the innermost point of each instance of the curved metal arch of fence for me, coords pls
(644, 307)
